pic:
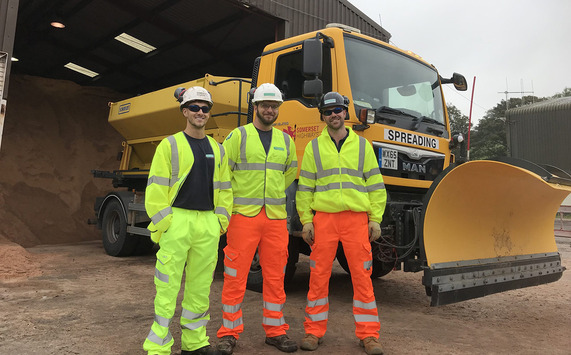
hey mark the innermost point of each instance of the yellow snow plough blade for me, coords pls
(488, 228)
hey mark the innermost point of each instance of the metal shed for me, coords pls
(189, 37)
(541, 132)
(303, 16)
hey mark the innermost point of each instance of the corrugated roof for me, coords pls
(192, 37)
(540, 132)
(558, 104)
(303, 16)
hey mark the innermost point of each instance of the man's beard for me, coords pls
(264, 121)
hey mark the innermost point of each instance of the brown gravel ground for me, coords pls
(75, 299)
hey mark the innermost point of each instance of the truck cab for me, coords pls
(396, 99)
(396, 103)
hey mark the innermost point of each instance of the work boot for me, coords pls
(372, 346)
(310, 342)
(205, 350)
(226, 344)
(283, 343)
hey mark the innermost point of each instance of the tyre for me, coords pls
(380, 268)
(293, 258)
(221, 245)
(144, 245)
(116, 240)
(255, 280)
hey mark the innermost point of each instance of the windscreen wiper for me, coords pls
(394, 111)
(416, 124)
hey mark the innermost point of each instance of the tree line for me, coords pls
(488, 139)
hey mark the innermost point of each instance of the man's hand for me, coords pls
(308, 233)
(374, 231)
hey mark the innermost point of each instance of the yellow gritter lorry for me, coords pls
(473, 229)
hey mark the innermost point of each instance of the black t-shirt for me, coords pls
(266, 138)
(196, 193)
(341, 141)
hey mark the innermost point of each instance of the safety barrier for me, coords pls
(562, 226)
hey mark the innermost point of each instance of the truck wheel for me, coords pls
(144, 245)
(221, 245)
(380, 269)
(255, 280)
(116, 241)
(293, 257)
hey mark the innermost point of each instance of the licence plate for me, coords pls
(388, 158)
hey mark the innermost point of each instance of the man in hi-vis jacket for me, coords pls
(189, 201)
(263, 163)
(341, 182)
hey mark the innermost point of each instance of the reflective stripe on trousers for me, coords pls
(351, 228)
(191, 240)
(270, 237)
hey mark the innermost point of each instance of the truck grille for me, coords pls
(407, 162)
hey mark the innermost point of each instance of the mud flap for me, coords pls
(488, 228)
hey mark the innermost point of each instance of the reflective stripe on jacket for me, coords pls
(259, 180)
(171, 165)
(332, 181)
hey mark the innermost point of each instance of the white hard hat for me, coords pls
(267, 92)
(195, 93)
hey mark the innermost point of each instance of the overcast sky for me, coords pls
(524, 43)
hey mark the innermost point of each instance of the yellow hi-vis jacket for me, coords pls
(332, 181)
(171, 165)
(259, 180)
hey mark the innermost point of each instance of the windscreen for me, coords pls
(382, 77)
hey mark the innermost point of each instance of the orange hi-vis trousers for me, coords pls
(351, 228)
(270, 237)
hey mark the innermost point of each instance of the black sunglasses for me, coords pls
(196, 108)
(336, 110)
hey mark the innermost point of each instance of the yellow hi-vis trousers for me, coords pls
(191, 239)
(351, 228)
